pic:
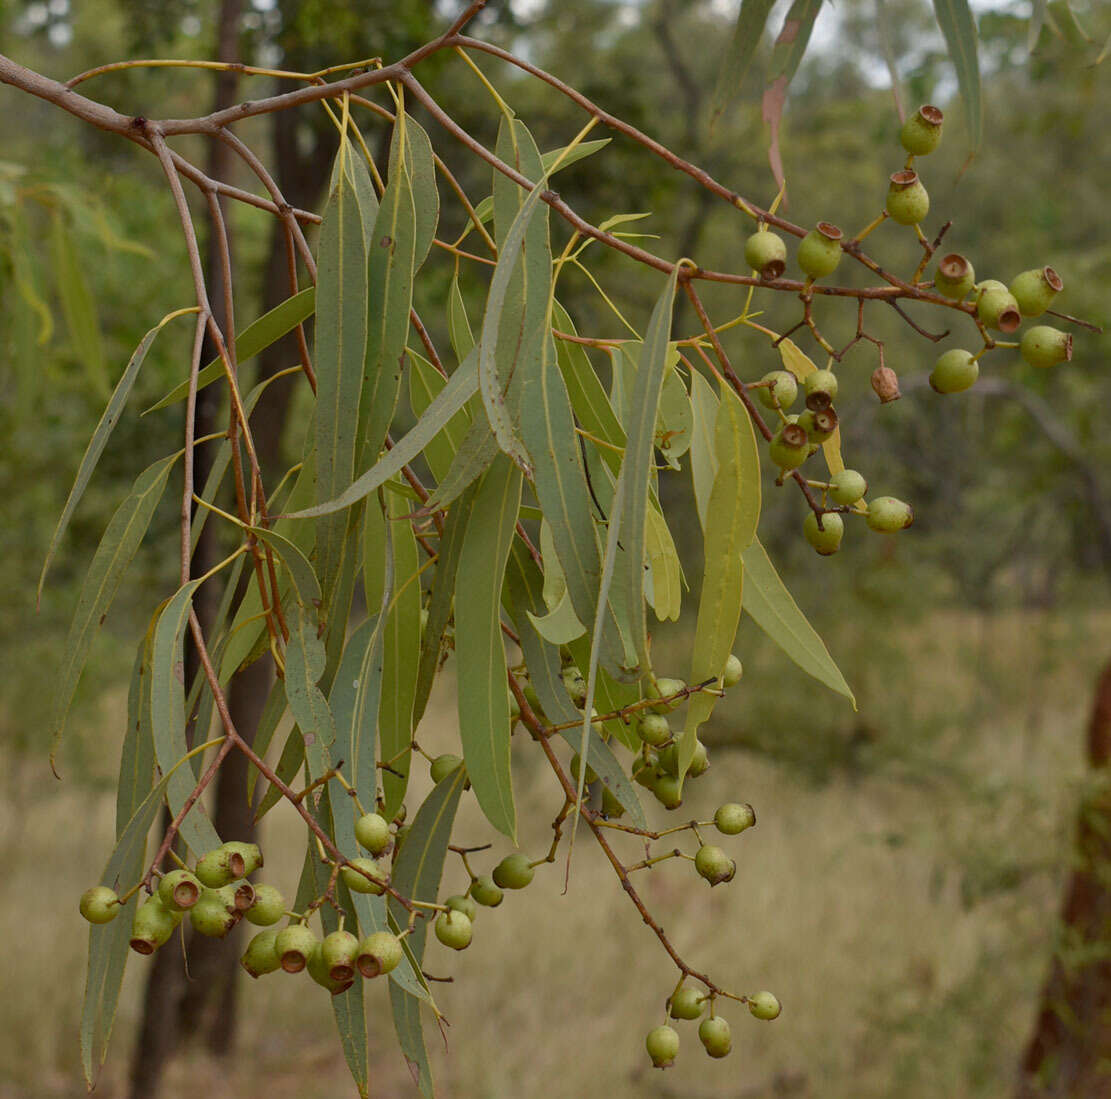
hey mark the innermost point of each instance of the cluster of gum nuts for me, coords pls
(998, 306)
(662, 1042)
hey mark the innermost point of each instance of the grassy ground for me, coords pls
(898, 894)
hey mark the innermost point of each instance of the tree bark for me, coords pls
(1069, 1055)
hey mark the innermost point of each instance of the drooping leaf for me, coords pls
(256, 337)
(954, 17)
(273, 711)
(100, 436)
(167, 717)
(341, 346)
(704, 406)
(663, 584)
(289, 763)
(482, 699)
(732, 518)
(358, 175)
(77, 305)
(459, 327)
(356, 724)
(751, 20)
(560, 625)
(473, 458)
(305, 659)
(770, 605)
(421, 166)
(425, 384)
(636, 467)
(390, 285)
(461, 386)
(305, 583)
(121, 539)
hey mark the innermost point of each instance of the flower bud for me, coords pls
(486, 892)
(713, 864)
(885, 382)
(100, 904)
(907, 200)
(378, 953)
(954, 276)
(766, 254)
(888, 515)
(1046, 346)
(358, 882)
(687, 1003)
(269, 906)
(764, 1005)
(668, 791)
(731, 819)
(653, 729)
(700, 761)
(820, 250)
(611, 806)
(827, 538)
(444, 765)
(921, 132)
(260, 957)
(464, 904)
(955, 371)
(733, 671)
(215, 914)
(454, 929)
(1035, 290)
(847, 486)
(662, 1045)
(513, 872)
(782, 391)
(714, 1035)
(669, 689)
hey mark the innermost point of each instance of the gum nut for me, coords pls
(358, 882)
(662, 1045)
(260, 957)
(269, 906)
(820, 250)
(100, 904)
(378, 953)
(732, 818)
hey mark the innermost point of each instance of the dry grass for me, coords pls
(903, 921)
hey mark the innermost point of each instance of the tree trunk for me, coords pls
(1069, 1055)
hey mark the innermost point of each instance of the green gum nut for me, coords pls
(847, 486)
(318, 971)
(611, 806)
(453, 929)
(486, 891)
(714, 1035)
(220, 866)
(513, 872)
(954, 276)
(668, 791)
(667, 759)
(461, 903)
(213, 916)
(662, 1044)
(687, 1003)
(955, 371)
(820, 250)
(575, 686)
(766, 254)
(732, 818)
(826, 539)
(100, 904)
(665, 688)
(789, 446)
(733, 671)
(700, 761)
(907, 200)
(576, 764)
(764, 1005)
(243, 896)
(151, 926)
(713, 864)
(887, 515)
(260, 957)
(378, 953)
(643, 771)
(996, 307)
(819, 426)
(1046, 346)
(293, 945)
(782, 389)
(251, 854)
(921, 132)
(821, 389)
(373, 832)
(1035, 290)
(179, 890)
(268, 908)
(444, 765)
(653, 729)
(358, 882)
(337, 953)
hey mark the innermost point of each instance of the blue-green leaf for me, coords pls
(305, 660)
(425, 384)
(747, 34)
(954, 17)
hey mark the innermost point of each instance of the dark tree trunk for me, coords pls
(1069, 1055)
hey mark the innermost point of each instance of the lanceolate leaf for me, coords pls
(637, 465)
(421, 166)
(480, 654)
(954, 17)
(459, 327)
(341, 344)
(100, 437)
(410, 1036)
(305, 583)
(118, 545)
(358, 175)
(167, 717)
(425, 384)
(390, 284)
(771, 607)
(256, 337)
(304, 665)
(461, 386)
(751, 20)
(78, 306)
(666, 591)
(473, 458)
(732, 517)
(704, 406)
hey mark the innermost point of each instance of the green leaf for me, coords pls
(425, 384)
(290, 762)
(108, 943)
(99, 440)
(461, 386)
(305, 660)
(459, 327)
(747, 34)
(421, 166)
(704, 408)
(675, 419)
(517, 302)
(354, 703)
(954, 17)
(473, 458)
(770, 605)
(559, 626)
(483, 703)
(137, 755)
(663, 585)
(358, 175)
(77, 305)
(732, 518)
(256, 337)
(272, 713)
(121, 539)
(341, 346)
(410, 1036)
(167, 717)
(305, 583)
(390, 284)
(637, 465)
